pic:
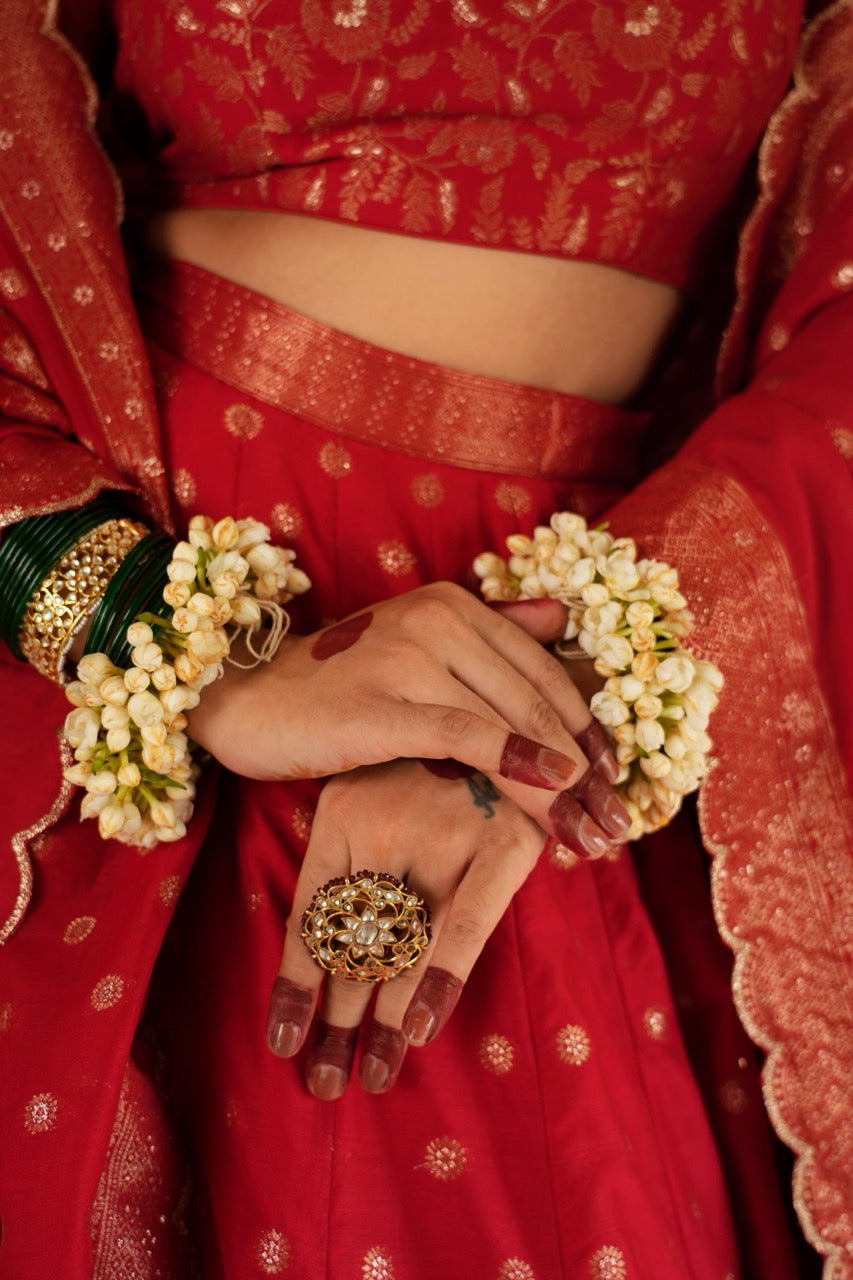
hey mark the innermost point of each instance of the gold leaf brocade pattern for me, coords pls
(525, 125)
(781, 838)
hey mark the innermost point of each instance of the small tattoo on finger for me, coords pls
(484, 793)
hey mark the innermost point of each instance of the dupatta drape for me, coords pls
(756, 510)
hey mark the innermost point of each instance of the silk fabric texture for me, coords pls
(754, 509)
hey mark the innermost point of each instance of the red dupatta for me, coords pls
(756, 510)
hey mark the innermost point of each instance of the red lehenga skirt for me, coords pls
(555, 1129)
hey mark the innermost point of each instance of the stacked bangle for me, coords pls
(134, 589)
(127, 731)
(32, 552)
(66, 597)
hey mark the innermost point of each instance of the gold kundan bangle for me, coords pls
(69, 593)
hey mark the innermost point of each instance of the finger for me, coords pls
(289, 1017)
(465, 733)
(595, 744)
(600, 801)
(330, 1059)
(300, 978)
(383, 1051)
(543, 620)
(532, 663)
(434, 1000)
(478, 904)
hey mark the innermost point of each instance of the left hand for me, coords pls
(464, 857)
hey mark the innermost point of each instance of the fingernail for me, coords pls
(591, 838)
(527, 761)
(289, 1014)
(595, 744)
(326, 1082)
(432, 1004)
(283, 1038)
(373, 1073)
(566, 814)
(419, 1024)
(614, 818)
(601, 803)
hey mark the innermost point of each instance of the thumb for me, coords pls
(544, 620)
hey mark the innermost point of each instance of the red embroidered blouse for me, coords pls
(612, 130)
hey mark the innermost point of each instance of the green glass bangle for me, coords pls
(147, 595)
(139, 579)
(34, 546)
(103, 617)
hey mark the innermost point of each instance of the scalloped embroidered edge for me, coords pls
(786, 973)
(23, 839)
(771, 183)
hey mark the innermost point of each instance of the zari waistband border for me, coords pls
(381, 397)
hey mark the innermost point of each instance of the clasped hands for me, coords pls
(433, 675)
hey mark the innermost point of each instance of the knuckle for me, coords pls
(455, 726)
(543, 721)
(429, 615)
(464, 928)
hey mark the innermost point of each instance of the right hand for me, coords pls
(433, 673)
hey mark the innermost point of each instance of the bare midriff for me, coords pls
(577, 327)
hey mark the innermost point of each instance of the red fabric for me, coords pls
(555, 1127)
(612, 132)
(773, 810)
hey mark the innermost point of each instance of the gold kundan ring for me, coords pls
(368, 926)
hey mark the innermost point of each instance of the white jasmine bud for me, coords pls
(147, 657)
(615, 651)
(176, 594)
(200, 539)
(113, 691)
(101, 784)
(94, 668)
(78, 774)
(82, 727)
(181, 571)
(639, 614)
(250, 533)
(187, 552)
(185, 620)
(75, 692)
(145, 708)
(650, 735)
(246, 611)
(225, 533)
(609, 710)
(188, 668)
(648, 707)
(208, 646)
(162, 813)
(676, 671)
(129, 775)
(91, 805)
(163, 677)
(111, 819)
(655, 765)
(136, 680)
(139, 633)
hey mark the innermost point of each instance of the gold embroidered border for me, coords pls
(137, 1224)
(75, 197)
(777, 815)
(787, 139)
(23, 839)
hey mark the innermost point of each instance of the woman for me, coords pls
(557, 1113)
